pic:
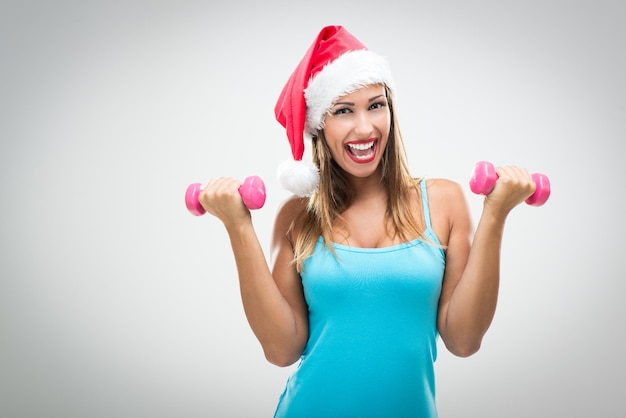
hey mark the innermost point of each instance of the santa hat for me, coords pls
(335, 64)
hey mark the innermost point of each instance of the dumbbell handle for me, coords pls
(484, 178)
(252, 192)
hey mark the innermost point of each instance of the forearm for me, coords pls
(473, 303)
(269, 314)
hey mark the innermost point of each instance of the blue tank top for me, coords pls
(372, 331)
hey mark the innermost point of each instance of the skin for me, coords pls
(272, 294)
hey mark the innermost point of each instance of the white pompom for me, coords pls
(299, 177)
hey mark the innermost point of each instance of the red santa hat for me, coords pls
(335, 64)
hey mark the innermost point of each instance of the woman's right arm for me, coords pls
(273, 300)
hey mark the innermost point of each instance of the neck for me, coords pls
(367, 188)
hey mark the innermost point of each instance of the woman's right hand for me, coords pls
(220, 197)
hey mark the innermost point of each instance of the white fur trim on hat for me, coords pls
(346, 74)
(299, 177)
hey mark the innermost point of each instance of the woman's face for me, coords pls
(356, 129)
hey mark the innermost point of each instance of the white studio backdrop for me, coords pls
(116, 302)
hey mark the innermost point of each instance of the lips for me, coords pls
(362, 151)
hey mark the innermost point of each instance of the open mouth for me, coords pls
(362, 151)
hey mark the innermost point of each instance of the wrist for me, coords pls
(493, 217)
(239, 226)
(494, 213)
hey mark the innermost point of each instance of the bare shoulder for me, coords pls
(292, 204)
(288, 214)
(448, 205)
(445, 196)
(443, 189)
(291, 209)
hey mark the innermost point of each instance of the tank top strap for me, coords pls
(425, 207)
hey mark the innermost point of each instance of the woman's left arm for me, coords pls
(472, 276)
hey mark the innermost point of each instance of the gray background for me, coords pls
(115, 302)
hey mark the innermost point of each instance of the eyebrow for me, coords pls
(352, 103)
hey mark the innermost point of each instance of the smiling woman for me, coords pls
(357, 126)
(369, 265)
(115, 302)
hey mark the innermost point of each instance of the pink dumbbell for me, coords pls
(252, 192)
(484, 178)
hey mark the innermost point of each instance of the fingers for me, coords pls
(222, 186)
(516, 179)
(220, 197)
(514, 186)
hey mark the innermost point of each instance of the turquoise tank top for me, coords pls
(372, 331)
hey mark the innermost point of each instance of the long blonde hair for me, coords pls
(334, 195)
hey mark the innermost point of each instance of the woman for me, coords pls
(369, 265)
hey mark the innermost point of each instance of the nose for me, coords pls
(363, 124)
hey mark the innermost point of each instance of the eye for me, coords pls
(378, 105)
(341, 111)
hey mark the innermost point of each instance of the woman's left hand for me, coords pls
(514, 186)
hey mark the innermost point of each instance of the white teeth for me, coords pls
(362, 147)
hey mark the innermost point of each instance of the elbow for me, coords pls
(281, 359)
(464, 348)
(283, 352)
(461, 341)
